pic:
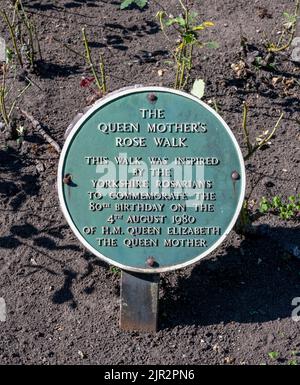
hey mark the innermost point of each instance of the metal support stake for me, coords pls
(139, 301)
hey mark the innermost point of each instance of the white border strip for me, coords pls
(102, 102)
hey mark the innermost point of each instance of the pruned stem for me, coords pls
(2, 99)
(89, 60)
(13, 36)
(16, 99)
(29, 27)
(102, 71)
(245, 128)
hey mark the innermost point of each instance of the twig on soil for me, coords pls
(37, 126)
(69, 48)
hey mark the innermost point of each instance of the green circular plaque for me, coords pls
(151, 179)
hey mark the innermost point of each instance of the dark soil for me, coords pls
(233, 307)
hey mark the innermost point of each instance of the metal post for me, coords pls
(139, 301)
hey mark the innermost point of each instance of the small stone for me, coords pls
(33, 262)
(160, 72)
(295, 57)
(81, 354)
(296, 42)
(229, 360)
(40, 167)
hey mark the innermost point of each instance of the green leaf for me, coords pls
(9, 55)
(198, 88)
(273, 355)
(176, 20)
(277, 202)
(264, 205)
(212, 44)
(126, 3)
(189, 38)
(264, 208)
(139, 3)
(192, 16)
(293, 362)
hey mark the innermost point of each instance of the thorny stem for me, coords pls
(37, 41)
(3, 108)
(29, 27)
(245, 128)
(216, 105)
(16, 99)
(89, 60)
(102, 71)
(2, 99)
(189, 67)
(13, 36)
(186, 15)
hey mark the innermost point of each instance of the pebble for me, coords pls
(81, 354)
(295, 57)
(40, 167)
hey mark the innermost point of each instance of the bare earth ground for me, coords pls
(233, 307)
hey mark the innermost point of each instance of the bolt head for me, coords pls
(150, 261)
(67, 179)
(152, 98)
(235, 175)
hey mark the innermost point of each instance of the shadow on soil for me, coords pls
(48, 70)
(39, 241)
(47, 5)
(16, 187)
(253, 283)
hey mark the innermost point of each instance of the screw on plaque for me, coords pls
(152, 98)
(151, 261)
(67, 179)
(235, 175)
